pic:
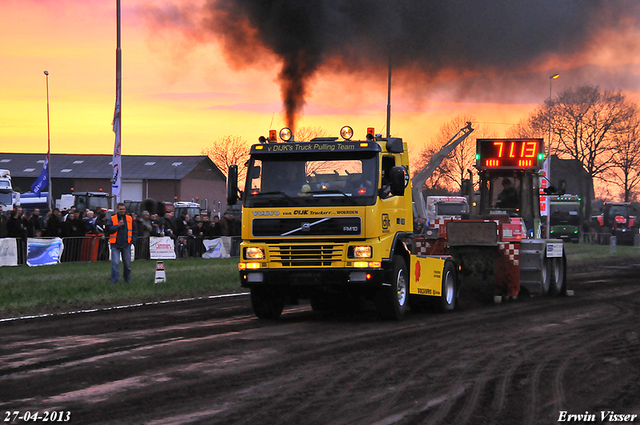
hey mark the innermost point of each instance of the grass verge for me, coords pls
(579, 253)
(74, 286)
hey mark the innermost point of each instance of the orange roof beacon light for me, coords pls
(273, 136)
(286, 135)
(346, 132)
(371, 133)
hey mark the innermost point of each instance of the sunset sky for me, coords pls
(185, 87)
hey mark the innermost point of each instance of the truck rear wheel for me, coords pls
(449, 295)
(558, 283)
(266, 303)
(546, 275)
(392, 300)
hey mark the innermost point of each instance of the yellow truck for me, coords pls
(332, 220)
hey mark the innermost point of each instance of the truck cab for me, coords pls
(619, 220)
(7, 196)
(501, 249)
(327, 220)
(440, 208)
(565, 217)
(191, 208)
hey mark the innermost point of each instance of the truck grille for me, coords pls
(305, 255)
(308, 226)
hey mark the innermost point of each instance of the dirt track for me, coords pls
(212, 362)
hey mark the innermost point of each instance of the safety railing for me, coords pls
(91, 248)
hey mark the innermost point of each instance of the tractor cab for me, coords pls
(509, 182)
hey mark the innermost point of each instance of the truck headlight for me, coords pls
(286, 134)
(254, 253)
(361, 252)
(346, 132)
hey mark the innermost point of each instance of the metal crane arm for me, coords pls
(421, 177)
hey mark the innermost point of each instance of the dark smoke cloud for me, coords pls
(430, 41)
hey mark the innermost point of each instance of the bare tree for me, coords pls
(230, 150)
(454, 168)
(308, 133)
(585, 123)
(524, 130)
(626, 158)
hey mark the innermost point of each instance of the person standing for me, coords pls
(54, 224)
(144, 225)
(35, 221)
(3, 224)
(122, 233)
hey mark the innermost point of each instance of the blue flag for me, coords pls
(43, 181)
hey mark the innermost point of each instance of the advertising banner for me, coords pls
(216, 248)
(44, 251)
(544, 199)
(8, 252)
(161, 248)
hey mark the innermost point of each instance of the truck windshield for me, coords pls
(99, 202)
(5, 197)
(318, 180)
(565, 214)
(619, 210)
(92, 202)
(452, 209)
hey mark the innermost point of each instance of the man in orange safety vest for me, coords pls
(122, 233)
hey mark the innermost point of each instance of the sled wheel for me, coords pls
(449, 295)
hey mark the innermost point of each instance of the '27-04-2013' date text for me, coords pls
(15, 416)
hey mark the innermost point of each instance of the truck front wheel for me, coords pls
(392, 298)
(266, 304)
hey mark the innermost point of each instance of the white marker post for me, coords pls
(160, 276)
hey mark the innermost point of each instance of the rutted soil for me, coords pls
(213, 362)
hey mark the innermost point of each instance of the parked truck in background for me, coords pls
(191, 208)
(565, 217)
(7, 196)
(96, 201)
(441, 209)
(618, 219)
(332, 221)
(30, 201)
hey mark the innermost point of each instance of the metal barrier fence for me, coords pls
(96, 248)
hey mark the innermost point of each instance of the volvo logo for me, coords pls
(305, 227)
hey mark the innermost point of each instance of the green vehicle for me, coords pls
(565, 217)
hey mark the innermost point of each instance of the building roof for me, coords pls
(100, 166)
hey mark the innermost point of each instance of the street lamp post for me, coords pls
(548, 176)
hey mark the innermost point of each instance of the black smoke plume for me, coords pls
(428, 41)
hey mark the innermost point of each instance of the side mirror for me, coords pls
(465, 187)
(399, 180)
(232, 185)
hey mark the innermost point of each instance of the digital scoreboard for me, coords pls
(509, 153)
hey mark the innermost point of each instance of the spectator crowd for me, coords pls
(72, 225)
